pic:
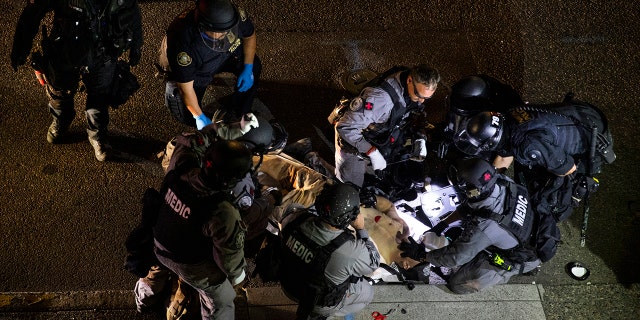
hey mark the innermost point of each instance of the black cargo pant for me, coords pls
(63, 84)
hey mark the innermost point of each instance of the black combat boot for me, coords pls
(101, 146)
(60, 124)
(55, 132)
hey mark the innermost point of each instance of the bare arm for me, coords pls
(572, 170)
(502, 162)
(189, 97)
(250, 45)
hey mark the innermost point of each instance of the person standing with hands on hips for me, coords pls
(213, 37)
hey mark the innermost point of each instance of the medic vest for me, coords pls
(303, 265)
(83, 32)
(179, 225)
(517, 217)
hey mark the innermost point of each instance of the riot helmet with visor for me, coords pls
(480, 133)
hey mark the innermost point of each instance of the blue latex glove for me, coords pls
(245, 80)
(202, 121)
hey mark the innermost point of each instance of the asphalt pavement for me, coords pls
(64, 216)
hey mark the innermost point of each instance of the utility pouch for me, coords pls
(175, 104)
(582, 188)
(37, 61)
(385, 140)
(604, 146)
(38, 65)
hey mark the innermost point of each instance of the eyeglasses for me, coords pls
(416, 93)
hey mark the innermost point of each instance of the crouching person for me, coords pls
(198, 234)
(498, 223)
(323, 263)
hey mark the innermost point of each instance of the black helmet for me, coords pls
(216, 15)
(268, 137)
(258, 139)
(474, 177)
(338, 204)
(225, 163)
(480, 133)
(280, 137)
(470, 95)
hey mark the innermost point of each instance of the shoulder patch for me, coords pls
(368, 105)
(239, 241)
(184, 59)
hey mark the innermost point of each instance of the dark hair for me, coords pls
(426, 75)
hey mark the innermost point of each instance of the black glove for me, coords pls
(413, 250)
(583, 186)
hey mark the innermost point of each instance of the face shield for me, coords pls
(467, 144)
(220, 41)
(478, 134)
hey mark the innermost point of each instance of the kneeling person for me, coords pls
(199, 234)
(323, 264)
(498, 222)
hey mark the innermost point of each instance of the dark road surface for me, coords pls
(64, 216)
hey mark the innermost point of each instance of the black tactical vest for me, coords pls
(570, 124)
(180, 220)
(388, 137)
(86, 31)
(303, 264)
